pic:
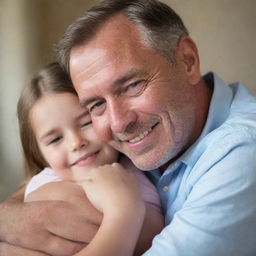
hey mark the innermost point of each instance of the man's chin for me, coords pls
(145, 160)
(142, 164)
(151, 160)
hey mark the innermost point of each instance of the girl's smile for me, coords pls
(65, 136)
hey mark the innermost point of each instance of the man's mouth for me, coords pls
(142, 135)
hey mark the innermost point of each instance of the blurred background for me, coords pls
(224, 31)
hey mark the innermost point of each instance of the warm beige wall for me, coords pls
(28, 30)
(13, 69)
(224, 31)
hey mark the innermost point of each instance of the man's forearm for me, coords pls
(6, 206)
(17, 196)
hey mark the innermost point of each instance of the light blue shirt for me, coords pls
(209, 194)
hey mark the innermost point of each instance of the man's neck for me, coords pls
(203, 99)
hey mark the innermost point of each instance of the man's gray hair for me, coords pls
(161, 27)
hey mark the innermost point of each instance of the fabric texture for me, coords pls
(208, 195)
(45, 176)
(148, 191)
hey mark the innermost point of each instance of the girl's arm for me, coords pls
(152, 226)
(117, 235)
(154, 219)
(115, 192)
(74, 194)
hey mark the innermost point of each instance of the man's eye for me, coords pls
(98, 108)
(86, 124)
(135, 89)
(55, 140)
(135, 84)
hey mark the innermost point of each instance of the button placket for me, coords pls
(165, 188)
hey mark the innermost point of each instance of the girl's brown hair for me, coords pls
(50, 79)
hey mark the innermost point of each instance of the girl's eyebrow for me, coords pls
(54, 130)
(47, 134)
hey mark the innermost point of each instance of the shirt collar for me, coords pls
(218, 112)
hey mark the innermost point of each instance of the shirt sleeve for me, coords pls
(218, 216)
(46, 176)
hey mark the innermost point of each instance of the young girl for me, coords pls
(57, 133)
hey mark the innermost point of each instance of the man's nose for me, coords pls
(121, 116)
(77, 141)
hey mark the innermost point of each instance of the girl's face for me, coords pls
(65, 135)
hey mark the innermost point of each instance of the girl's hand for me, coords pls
(111, 188)
(114, 191)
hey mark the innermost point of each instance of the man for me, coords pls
(137, 71)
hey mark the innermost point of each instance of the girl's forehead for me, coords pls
(56, 109)
(56, 99)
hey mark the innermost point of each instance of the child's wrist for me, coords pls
(130, 211)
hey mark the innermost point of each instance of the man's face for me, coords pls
(139, 103)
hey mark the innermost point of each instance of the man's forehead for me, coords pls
(84, 59)
(115, 34)
(99, 69)
(89, 67)
(106, 59)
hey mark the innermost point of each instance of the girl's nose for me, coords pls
(77, 142)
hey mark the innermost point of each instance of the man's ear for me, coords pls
(188, 57)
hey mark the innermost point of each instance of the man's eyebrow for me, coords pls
(85, 102)
(119, 81)
(128, 75)
(83, 114)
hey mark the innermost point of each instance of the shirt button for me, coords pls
(165, 188)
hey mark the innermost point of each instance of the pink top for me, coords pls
(148, 190)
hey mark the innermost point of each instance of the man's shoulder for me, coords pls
(239, 127)
(233, 143)
(230, 146)
(226, 161)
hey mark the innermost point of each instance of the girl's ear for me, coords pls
(187, 55)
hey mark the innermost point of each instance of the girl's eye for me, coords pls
(135, 89)
(55, 140)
